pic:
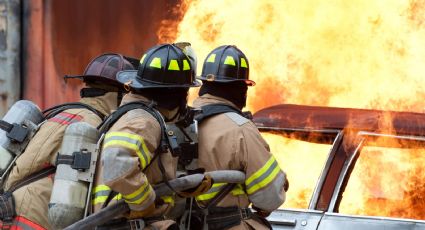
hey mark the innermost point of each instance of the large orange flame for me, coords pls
(359, 53)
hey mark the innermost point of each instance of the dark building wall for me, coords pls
(62, 36)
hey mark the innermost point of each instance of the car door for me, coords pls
(305, 156)
(382, 186)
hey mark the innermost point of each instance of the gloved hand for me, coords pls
(261, 212)
(286, 184)
(140, 214)
(202, 188)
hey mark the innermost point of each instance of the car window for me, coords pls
(388, 179)
(303, 162)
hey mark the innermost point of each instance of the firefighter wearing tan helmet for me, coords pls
(230, 141)
(24, 202)
(135, 154)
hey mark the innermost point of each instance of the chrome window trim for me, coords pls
(339, 137)
(374, 217)
(315, 197)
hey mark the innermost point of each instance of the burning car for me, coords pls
(348, 168)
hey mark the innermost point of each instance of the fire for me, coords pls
(358, 54)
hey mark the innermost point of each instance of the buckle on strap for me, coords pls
(245, 213)
(136, 224)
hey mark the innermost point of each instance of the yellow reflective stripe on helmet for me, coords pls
(142, 59)
(186, 65)
(211, 58)
(156, 63)
(130, 141)
(263, 176)
(174, 65)
(229, 61)
(140, 195)
(243, 63)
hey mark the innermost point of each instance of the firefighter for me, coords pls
(229, 140)
(29, 184)
(135, 153)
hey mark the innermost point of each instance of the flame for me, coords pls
(358, 54)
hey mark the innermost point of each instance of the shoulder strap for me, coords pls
(33, 177)
(53, 111)
(215, 109)
(115, 116)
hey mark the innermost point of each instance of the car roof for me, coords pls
(292, 116)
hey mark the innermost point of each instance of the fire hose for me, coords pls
(178, 184)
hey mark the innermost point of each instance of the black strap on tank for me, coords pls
(32, 178)
(55, 110)
(215, 109)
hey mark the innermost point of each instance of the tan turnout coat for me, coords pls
(128, 165)
(230, 141)
(32, 200)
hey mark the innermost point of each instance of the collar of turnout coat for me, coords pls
(208, 99)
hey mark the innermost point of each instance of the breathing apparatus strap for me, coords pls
(55, 110)
(216, 109)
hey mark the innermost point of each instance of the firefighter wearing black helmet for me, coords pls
(133, 156)
(228, 140)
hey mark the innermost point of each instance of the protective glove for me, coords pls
(140, 214)
(202, 188)
(286, 184)
(261, 212)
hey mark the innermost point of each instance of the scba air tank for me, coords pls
(27, 116)
(70, 188)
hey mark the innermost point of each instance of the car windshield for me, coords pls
(388, 179)
(302, 161)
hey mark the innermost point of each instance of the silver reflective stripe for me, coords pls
(134, 199)
(116, 162)
(262, 177)
(102, 193)
(131, 141)
(238, 119)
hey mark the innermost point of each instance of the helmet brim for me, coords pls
(95, 78)
(222, 79)
(129, 78)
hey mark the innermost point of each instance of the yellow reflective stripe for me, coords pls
(101, 187)
(229, 61)
(137, 192)
(173, 65)
(145, 157)
(156, 63)
(129, 135)
(263, 183)
(99, 199)
(140, 195)
(211, 58)
(215, 188)
(117, 197)
(168, 199)
(130, 146)
(186, 65)
(238, 190)
(243, 63)
(142, 59)
(261, 171)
